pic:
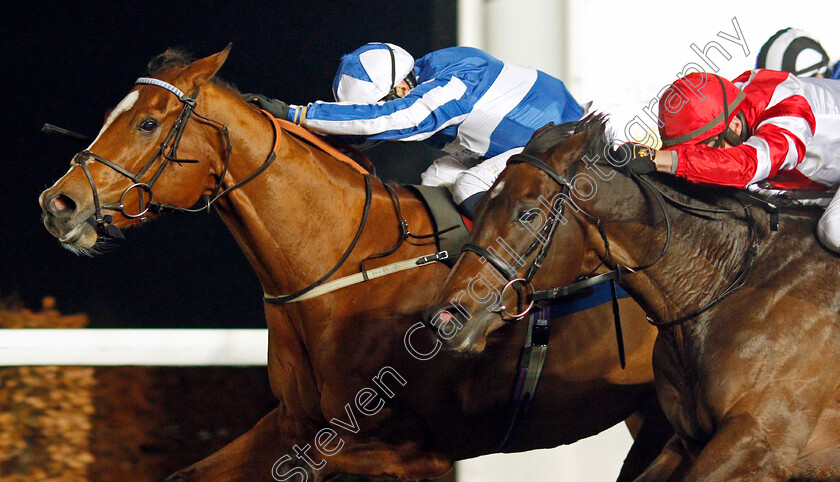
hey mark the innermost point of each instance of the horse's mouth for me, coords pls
(77, 236)
(81, 236)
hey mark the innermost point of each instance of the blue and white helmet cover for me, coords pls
(365, 75)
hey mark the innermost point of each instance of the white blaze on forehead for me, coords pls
(496, 190)
(124, 105)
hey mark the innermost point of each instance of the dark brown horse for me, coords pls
(748, 377)
(363, 387)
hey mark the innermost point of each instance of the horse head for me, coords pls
(550, 198)
(146, 156)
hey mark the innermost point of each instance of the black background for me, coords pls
(67, 63)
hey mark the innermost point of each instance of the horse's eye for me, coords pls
(148, 126)
(528, 215)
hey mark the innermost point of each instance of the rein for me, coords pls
(749, 255)
(283, 299)
(618, 272)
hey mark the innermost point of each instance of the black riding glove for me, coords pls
(639, 158)
(275, 107)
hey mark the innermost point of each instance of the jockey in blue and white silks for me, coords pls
(476, 108)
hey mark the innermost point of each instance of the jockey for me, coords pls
(777, 127)
(795, 51)
(476, 108)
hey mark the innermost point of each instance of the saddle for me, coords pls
(452, 227)
(772, 199)
(803, 196)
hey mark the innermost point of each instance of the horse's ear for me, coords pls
(572, 148)
(201, 71)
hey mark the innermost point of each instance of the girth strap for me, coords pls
(370, 274)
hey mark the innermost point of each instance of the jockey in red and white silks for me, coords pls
(779, 128)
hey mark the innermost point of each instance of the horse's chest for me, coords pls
(679, 384)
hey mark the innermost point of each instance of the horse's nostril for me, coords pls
(447, 322)
(62, 204)
(443, 316)
(440, 314)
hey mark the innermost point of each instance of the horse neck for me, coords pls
(295, 219)
(701, 261)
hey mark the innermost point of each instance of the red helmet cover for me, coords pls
(691, 109)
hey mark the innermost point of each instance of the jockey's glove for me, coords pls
(275, 107)
(637, 158)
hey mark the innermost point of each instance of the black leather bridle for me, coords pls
(546, 233)
(616, 274)
(168, 152)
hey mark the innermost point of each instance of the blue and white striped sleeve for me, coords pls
(428, 108)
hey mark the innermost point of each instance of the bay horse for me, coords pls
(747, 361)
(362, 385)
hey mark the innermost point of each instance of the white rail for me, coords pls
(586, 460)
(141, 347)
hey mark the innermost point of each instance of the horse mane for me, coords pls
(171, 58)
(550, 136)
(179, 58)
(599, 139)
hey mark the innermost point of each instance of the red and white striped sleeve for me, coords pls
(784, 125)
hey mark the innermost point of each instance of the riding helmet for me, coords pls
(795, 51)
(691, 109)
(370, 72)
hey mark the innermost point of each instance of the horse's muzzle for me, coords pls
(453, 330)
(65, 218)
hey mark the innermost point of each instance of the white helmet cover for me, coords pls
(367, 74)
(795, 51)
